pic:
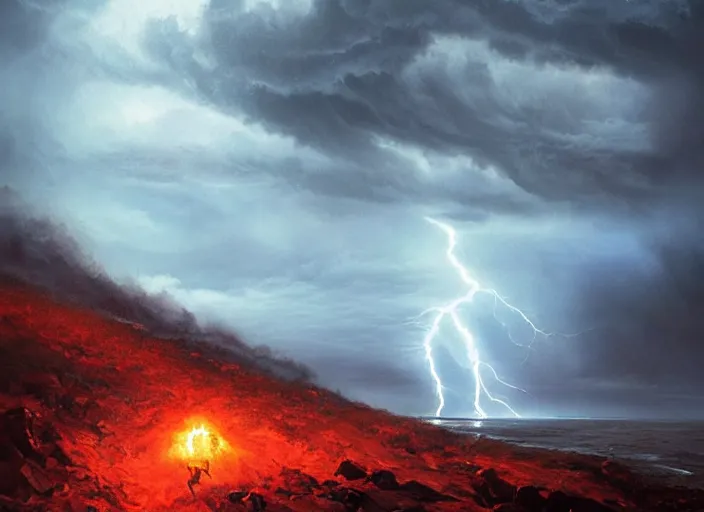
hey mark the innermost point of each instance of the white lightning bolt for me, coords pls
(450, 310)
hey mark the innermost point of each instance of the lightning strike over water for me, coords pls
(451, 310)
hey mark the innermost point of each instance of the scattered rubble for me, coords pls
(384, 479)
(87, 406)
(350, 470)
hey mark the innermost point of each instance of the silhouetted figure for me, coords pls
(196, 472)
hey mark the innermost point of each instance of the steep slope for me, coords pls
(91, 412)
(38, 250)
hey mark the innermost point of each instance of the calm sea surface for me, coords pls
(672, 450)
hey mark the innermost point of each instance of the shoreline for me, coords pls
(654, 464)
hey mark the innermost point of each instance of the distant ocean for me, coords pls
(671, 450)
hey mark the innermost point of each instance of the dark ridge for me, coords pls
(42, 253)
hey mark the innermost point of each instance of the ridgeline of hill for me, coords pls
(115, 400)
(91, 410)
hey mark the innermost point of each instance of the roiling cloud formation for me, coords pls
(269, 163)
(604, 91)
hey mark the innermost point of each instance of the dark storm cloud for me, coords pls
(271, 166)
(336, 77)
(651, 315)
(339, 76)
(24, 24)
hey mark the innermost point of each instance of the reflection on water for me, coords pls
(456, 424)
(670, 447)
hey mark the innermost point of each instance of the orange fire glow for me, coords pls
(199, 444)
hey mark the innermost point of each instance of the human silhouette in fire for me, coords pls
(196, 471)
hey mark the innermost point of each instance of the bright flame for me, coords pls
(199, 444)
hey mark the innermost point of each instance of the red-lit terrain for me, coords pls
(90, 407)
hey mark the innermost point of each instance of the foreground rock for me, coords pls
(350, 470)
(34, 469)
(384, 479)
(89, 407)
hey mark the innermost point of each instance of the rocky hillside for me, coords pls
(98, 415)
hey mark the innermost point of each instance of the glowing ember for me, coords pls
(199, 444)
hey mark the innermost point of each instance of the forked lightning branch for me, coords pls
(450, 312)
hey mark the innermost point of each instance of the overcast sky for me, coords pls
(270, 164)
